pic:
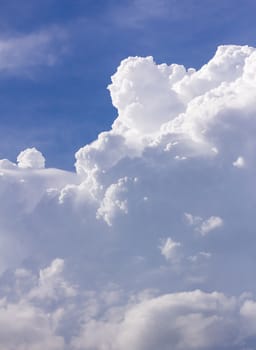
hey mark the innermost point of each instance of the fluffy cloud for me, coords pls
(210, 224)
(25, 323)
(26, 327)
(110, 256)
(51, 283)
(31, 158)
(133, 93)
(113, 319)
(169, 249)
(189, 320)
(204, 226)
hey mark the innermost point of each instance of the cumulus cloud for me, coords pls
(169, 249)
(84, 254)
(188, 320)
(24, 323)
(113, 319)
(25, 326)
(133, 93)
(210, 224)
(51, 283)
(114, 200)
(6, 164)
(31, 158)
(204, 226)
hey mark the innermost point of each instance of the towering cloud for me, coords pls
(120, 254)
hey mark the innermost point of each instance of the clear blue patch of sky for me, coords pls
(62, 107)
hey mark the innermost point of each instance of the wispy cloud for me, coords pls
(19, 54)
(137, 12)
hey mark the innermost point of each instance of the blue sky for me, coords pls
(58, 56)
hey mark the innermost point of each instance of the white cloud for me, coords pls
(239, 162)
(133, 93)
(204, 226)
(115, 320)
(200, 256)
(19, 54)
(114, 200)
(31, 158)
(190, 320)
(193, 220)
(210, 224)
(51, 284)
(6, 164)
(169, 249)
(78, 250)
(24, 326)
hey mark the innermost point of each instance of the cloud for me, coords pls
(83, 254)
(204, 226)
(136, 13)
(31, 158)
(113, 319)
(51, 283)
(239, 162)
(190, 320)
(21, 53)
(169, 249)
(210, 224)
(23, 325)
(133, 93)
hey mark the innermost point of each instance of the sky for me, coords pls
(127, 175)
(57, 58)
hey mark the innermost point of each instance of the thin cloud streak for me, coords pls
(19, 54)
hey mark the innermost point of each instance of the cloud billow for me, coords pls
(150, 244)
